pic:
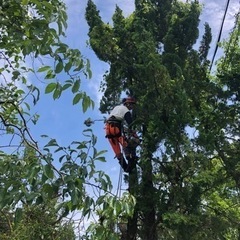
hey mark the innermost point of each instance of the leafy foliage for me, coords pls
(35, 222)
(34, 57)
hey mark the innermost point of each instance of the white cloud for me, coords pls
(107, 9)
(213, 13)
(93, 86)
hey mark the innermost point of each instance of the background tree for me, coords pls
(184, 115)
(35, 222)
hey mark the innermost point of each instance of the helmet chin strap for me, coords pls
(128, 105)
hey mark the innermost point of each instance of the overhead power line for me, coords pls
(220, 33)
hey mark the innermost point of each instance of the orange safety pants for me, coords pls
(115, 138)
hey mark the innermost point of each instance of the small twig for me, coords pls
(98, 187)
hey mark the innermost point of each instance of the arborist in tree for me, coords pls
(116, 136)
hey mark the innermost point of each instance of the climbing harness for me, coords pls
(113, 127)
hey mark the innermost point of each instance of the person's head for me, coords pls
(129, 102)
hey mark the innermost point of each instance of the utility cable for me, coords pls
(220, 33)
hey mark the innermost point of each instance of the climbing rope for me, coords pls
(219, 35)
(118, 194)
(119, 188)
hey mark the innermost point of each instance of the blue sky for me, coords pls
(60, 119)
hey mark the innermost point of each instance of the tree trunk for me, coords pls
(148, 203)
(132, 222)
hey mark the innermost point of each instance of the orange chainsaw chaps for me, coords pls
(113, 133)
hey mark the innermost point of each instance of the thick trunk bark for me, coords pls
(147, 204)
(132, 222)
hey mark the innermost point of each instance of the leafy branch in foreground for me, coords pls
(34, 57)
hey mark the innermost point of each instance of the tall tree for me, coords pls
(179, 115)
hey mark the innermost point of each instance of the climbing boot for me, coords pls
(132, 162)
(122, 162)
(131, 165)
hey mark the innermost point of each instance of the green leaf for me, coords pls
(94, 140)
(118, 207)
(24, 2)
(104, 184)
(59, 149)
(74, 197)
(100, 200)
(39, 200)
(57, 92)
(50, 87)
(51, 143)
(68, 66)
(76, 86)
(59, 67)
(50, 74)
(36, 95)
(48, 171)
(88, 69)
(100, 153)
(44, 135)
(66, 86)
(86, 102)
(31, 196)
(44, 69)
(79, 64)
(27, 105)
(60, 30)
(48, 5)
(77, 98)
(48, 189)
(15, 74)
(101, 159)
(18, 215)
